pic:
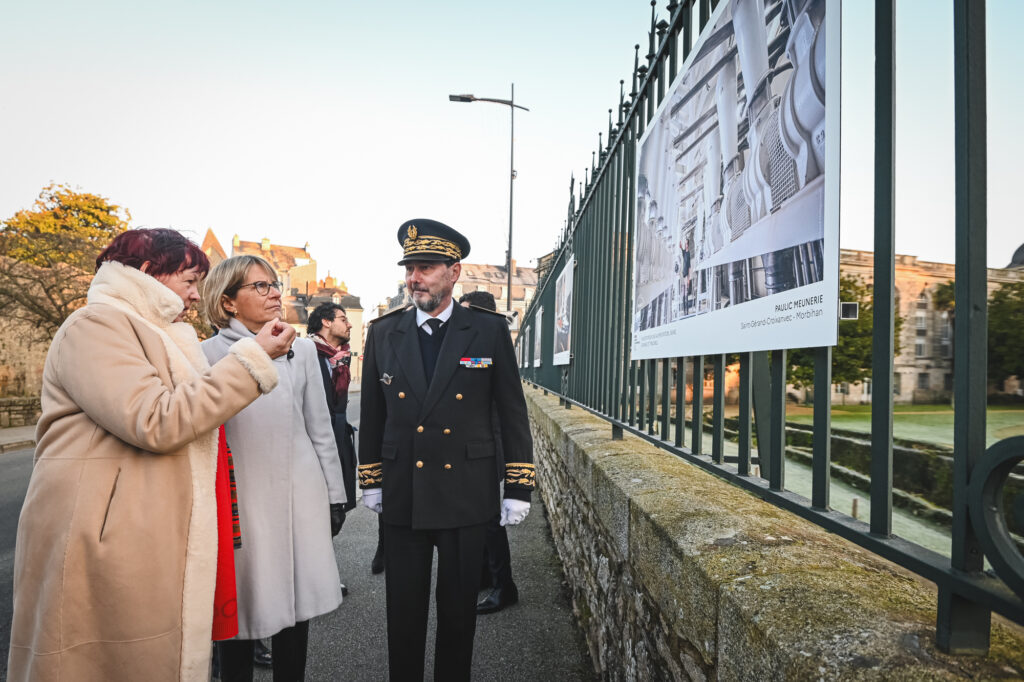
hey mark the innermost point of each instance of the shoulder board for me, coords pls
(485, 310)
(389, 314)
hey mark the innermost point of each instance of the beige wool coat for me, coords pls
(115, 561)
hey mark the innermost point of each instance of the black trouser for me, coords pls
(288, 649)
(408, 555)
(497, 554)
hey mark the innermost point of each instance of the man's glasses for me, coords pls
(262, 288)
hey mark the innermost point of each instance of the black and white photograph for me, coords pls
(537, 329)
(563, 315)
(737, 190)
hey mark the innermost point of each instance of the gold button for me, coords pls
(419, 429)
(401, 394)
(458, 396)
(419, 464)
(447, 431)
(447, 466)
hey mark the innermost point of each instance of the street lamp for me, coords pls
(512, 106)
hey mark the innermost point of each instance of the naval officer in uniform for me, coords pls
(431, 374)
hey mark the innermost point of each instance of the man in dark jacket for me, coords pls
(431, 374)
(328, 327)
(497, 555)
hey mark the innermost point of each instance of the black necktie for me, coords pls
(430, 346)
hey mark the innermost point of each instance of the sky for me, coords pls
(329, 122)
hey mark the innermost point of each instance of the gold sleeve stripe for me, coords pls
(370, 475)
(520, 474)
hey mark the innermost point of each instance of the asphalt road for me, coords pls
(15, 468)
(535, 639)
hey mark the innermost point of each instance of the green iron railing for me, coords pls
(636, 396)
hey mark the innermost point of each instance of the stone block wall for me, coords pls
(19, 412)
(677, 575)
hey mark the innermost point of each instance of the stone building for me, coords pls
(297, 308)
(923, 369)
(492, 278)
(302, 291)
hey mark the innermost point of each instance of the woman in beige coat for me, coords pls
(116, 551)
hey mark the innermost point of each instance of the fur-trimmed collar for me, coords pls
(135, 292)
(145, 295)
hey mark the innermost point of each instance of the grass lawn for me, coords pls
(929, 423)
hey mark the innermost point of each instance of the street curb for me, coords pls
(16, 445)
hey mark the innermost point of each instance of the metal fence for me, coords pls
(648, 397)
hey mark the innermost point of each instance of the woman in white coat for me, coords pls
(290, 487)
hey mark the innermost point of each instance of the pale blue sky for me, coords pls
(329, 122)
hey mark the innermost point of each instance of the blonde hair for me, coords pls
(224, 280)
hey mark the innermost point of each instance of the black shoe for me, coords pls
(498, 598)
(377, 565)
(261, 655)
(344, 590)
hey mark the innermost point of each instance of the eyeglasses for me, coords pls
(262, 288)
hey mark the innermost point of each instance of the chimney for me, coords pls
(264, 244)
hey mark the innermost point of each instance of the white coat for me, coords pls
(288, 473)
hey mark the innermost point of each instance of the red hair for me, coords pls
(167, 251)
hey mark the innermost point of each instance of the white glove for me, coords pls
(513, 512)
(371, 500)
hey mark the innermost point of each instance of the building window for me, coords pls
(922, 301)
(924, 381)
(919, 348)
(896, 384)
(921, 321)
(867, 387)
(843, 389)
(947, 381)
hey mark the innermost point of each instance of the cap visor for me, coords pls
(426, 258)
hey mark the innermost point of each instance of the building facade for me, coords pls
(301, 290)
(923, 369)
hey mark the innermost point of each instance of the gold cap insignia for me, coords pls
(412, 232)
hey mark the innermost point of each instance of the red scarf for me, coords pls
(340, 373)
(225, 605)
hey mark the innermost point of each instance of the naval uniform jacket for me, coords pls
(431, 448)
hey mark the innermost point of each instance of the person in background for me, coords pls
(291, 491)
(116, 554)
(427, 453)
(328, 327)
(497, 559)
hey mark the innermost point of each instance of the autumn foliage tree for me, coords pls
(48, 255)
(851, 357)
(1006, 332)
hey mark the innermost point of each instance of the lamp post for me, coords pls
(512, 106)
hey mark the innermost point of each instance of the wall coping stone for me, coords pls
(754, 591)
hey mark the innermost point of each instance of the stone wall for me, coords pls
(677, 575)
(18, 412)
(21, 360)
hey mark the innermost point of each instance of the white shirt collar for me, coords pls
(422, 317)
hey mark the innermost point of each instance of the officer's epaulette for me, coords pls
(389, 314)
(492, 312)
(486, 310)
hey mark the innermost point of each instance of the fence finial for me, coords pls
(636, 66)
(662, 27)
(622, 99)
(650, 34)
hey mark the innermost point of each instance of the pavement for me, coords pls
(17, 438)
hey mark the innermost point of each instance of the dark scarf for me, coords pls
(341, 375)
